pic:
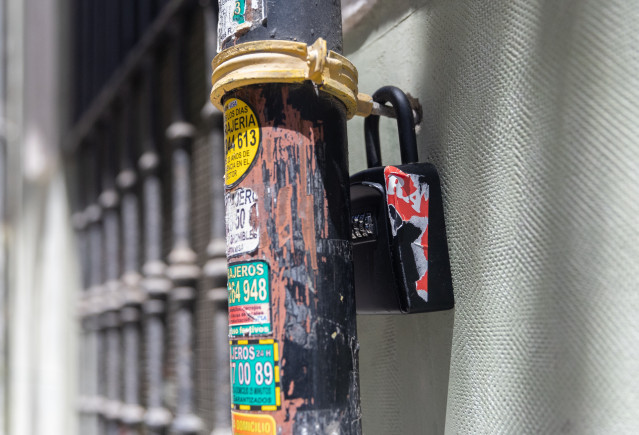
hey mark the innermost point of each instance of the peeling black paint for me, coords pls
(306, 240)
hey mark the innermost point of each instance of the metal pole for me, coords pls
(294, 348)
(155, 283)
(183, 269)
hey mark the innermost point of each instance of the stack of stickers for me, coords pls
(255, 371)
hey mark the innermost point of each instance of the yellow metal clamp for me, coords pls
(288, 62)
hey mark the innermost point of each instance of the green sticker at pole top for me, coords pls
(255, 375)
(236, 17)
(249, 299)
(238, 11)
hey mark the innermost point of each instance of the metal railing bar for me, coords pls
(215, 268)
(154, 282)
(128, 69)
(80, 224)
(183, 269)
(111, 303)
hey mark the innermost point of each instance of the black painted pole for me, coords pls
(294, 348)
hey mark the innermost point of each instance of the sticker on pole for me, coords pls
(407, 199)
(242, 233)
(249, 299)
(237, 17)
(252, 424)
(255, 375)
(242, 136)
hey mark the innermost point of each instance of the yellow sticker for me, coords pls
(253, 424)
(242, 136)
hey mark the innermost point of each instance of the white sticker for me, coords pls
(242, 233)
(238, 16)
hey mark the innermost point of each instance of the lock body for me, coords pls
(400, 252)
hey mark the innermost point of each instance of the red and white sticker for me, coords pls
(407, 200)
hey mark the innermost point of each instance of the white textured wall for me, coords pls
(531, 115)
(43, 279)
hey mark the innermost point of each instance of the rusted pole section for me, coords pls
(183, 269)
(294, 348)
(155, 283)
(215, 267)
(132, 412)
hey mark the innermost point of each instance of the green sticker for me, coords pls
(255, 375)
(235, 17)
(238, 11)
(249, 299)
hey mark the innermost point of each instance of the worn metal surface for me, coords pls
(300, 179)
(260, 62)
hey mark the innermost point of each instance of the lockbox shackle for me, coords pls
(405, 126)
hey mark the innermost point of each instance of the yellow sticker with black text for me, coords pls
(242, 136)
